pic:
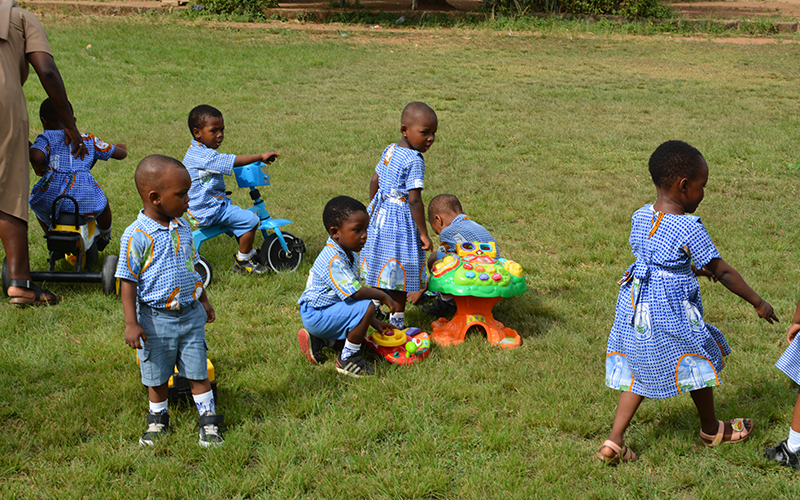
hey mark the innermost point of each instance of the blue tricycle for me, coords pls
(280, 251)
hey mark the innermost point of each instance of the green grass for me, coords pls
(544, 137)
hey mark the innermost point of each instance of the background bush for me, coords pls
(250, 8)
(633, 8)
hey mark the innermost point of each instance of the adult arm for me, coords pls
(45, 67)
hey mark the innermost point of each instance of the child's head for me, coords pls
(346, 220)
(442, 209)
(50, 118)
(163, 184)
(418, 124)
(679, 168)
(207, 125)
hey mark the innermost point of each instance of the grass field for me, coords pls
(544, 137)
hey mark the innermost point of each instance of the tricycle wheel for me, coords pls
(204, 269)
(277, 258)
(6, 277)
(107, 277)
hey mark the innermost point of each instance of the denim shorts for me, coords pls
(237, 219)
(174, 338)
(334, 321)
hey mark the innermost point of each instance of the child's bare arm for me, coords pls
(734, 282)
(373, 186)
(381, 327)
(366, 292)
(242, 160)
(120, 151)
(133, 330)
(418, 212)
(208, 307)
(37, 158)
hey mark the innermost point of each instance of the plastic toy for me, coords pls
(180, 388)
(280, 250)
(477, 279)
(74, 239)
(403, 347)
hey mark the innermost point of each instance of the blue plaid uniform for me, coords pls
(789, 362)
(160, 260)
(68, 175)
(462, 230)
(333, 277)
(659, 345)
(207, 168)
(393, 258)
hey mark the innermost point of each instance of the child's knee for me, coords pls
(370, 313)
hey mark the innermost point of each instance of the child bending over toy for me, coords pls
(394, 256)
(208, 201)
(334, 305)
(660, 346)
(787, 452)
(61, 173)
(166, 307)
(448, 220)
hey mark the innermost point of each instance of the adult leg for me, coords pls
(14, 235)
(626, 409)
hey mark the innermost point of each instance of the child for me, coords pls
(659, 345)
(165, 306)
(334, 305)
(394, 256)
(448, 220)
(208, 202)
(64, 174)
(787, 451)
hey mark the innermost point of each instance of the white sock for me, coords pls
(205, 402)
(398, 320)
(246, 256)
(377, 304)
(793, 443)
(162, 407)
(350, 349)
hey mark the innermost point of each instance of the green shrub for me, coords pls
(249, 8)
(633, 8)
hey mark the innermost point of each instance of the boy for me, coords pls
(448, 220)
(60, 174)
(334, 305)
(208, 201)
(165, 306)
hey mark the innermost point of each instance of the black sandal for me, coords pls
(41, 296)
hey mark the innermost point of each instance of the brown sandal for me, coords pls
(41, 296)
(621, 454)
(740, 432)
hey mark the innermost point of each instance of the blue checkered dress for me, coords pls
(789, 362)
(333, 277)
(393, 258)
(659, 345)
(207, 168)
(160, 260)
(68, 175)
(462, 230)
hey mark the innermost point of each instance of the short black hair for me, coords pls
(47, 111)
(339, 210)
(444, 203)
(414, 110)
(150, 172)
(674, 159)
(198, 116)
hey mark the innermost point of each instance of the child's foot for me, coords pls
(102, 242)
(355, 366)
(249, 266)
(781, 454)
(615, 453)
(157, 427)
(440, 308)
(734, 431)
(210, 434)
(311, 346)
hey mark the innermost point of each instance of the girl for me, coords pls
(659, 345)
(393, 258)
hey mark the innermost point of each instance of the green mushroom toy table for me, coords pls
(477, 280)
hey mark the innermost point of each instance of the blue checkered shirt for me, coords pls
(207, 168)
(160, 260)
(462, 230)
(333, 277)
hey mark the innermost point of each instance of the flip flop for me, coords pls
(621, 454)
(740, 432)
(41, 296)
